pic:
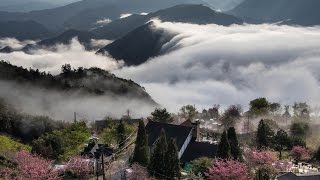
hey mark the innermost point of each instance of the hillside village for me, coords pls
(212, 144)
(159, 90)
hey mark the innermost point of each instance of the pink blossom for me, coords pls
(256, 157)
(227, 170)
(299, 153)
(30, 166)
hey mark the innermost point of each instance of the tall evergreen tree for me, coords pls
(224, 147)
(172, 160)
(157, 164)
(121, 134)
(234, 145)
(264, 135)
(141, 150)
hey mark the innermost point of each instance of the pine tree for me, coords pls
(172, 160)
(224, 147)
(157, 164)
(264, 135)
(141, 150)
(234, 145)
(121, 130)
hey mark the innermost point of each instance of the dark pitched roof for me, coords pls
(292, 176)
(187, 123)
(199, 149)
(180, 133)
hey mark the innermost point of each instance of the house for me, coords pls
(292, 176)
(95, 151)
(187, 136)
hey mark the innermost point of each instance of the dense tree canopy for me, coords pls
(141, 149)
(264, 135)
(224, 150)
(157, 166)
(161, 115)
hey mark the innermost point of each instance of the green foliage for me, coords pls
(22, 126)
(74, 137)
(301, 111)
(281, 142)
(275, 108)
(200, 165)
(231, 115)
(141, 150)
(48, 146)
(224, 147)
(264, 135)
(299, 129)
(188, 111)
(161, 115)
(172, 168)
(157, 166)
(234, 145)
(121, 133)
(9, 145)
(265, 173)
(259, 106)
(110, 134)
(194, 176)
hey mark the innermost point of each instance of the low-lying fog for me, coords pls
(211, 64)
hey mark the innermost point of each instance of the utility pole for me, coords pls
(102, 161)
(75, 117)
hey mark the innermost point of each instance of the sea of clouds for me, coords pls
(211, 64)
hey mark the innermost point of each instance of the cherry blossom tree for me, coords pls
(299, 153)
(227, 170)
(256, 157)
(31, 166)
(8, 173)
(79, 167)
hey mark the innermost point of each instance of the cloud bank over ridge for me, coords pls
(230, 65)
(211, 64)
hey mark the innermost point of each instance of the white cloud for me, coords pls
(13, 43)
(212, 64)
(104, 21)
(51, 61)
(124, 15)
(230, 65)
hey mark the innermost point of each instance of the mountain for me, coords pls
(300, 12)
(223, 5)
(64, 38)
(23, 30)
(150, 41)
(92, 81)
(55, 19)
(26, 6)
(197, 14)
(83, 15)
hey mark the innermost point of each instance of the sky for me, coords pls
(211, 64)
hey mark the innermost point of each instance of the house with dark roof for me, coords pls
(292, 176)
(187, 138)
